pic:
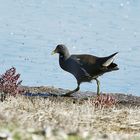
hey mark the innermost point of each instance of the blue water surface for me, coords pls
(30, 30)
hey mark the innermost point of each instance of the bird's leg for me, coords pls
(68, 93)
(71, 92)
(98, 86)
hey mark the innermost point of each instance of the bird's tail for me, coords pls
(112, 67)
(109, 60)
(108, 63)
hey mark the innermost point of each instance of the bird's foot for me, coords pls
(66, 95)
(98, 93)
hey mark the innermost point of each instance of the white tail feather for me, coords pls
(109, 61)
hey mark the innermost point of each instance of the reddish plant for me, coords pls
(104, 100)
(9, 82)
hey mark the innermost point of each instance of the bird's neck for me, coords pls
(62, 61)
(64, 56)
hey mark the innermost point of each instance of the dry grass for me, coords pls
(61, 116)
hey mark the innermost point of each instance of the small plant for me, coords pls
(10, 84)
(104, 100)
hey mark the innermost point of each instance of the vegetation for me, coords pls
(62, 118)
(10, 84)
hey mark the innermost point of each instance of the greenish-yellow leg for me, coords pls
(71, 92)
(98, 86)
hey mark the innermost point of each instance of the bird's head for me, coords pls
(62, 50)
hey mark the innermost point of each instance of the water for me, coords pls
(30, 30)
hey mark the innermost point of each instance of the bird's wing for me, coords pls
(85, 59)
(93, 64)
(86, 62)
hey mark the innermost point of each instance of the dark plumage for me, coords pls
(84, 67)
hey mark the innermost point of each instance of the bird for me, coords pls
(84, 67)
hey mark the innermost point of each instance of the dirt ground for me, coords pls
(123, 99)
(39, 116)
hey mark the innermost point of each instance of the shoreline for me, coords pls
(44, 91)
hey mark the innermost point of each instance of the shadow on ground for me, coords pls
(44, 91)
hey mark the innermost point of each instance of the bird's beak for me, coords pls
(53, 52)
